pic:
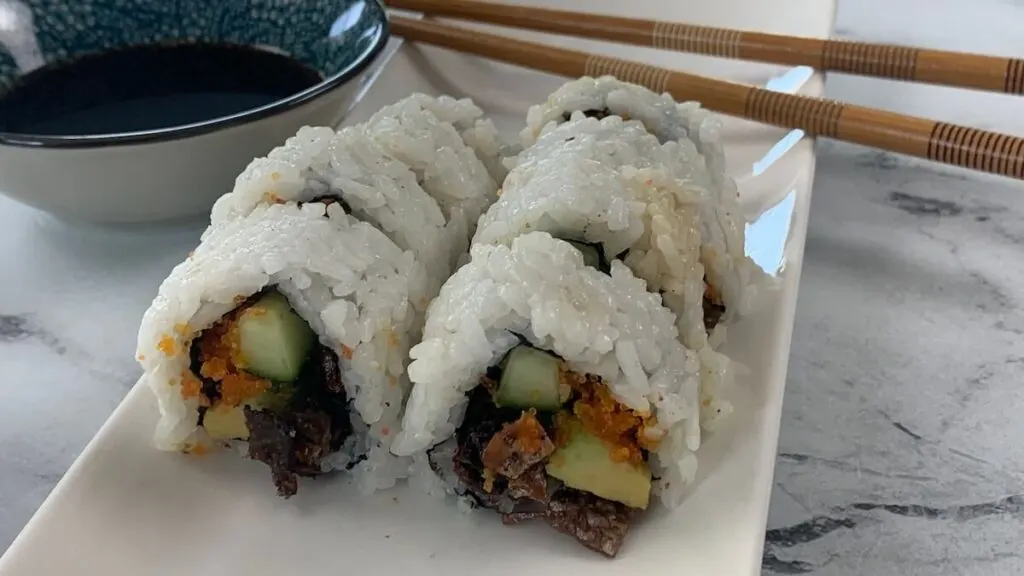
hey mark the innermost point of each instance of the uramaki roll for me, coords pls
(545, 387)
(286, 331)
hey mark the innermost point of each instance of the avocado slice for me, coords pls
(222, 423)
(274, 342)
(226, 423)
(585, 463)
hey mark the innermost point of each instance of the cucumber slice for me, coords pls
(584, 463)
(591, 253)
(530, 379)
(273, 341)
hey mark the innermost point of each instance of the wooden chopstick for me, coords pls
(947, 143)
(866, 59)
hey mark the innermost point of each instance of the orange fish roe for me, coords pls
(218, 353)
(141, 357)
(215, 369)
(237, 387)
(618, 426)
(190, 385)
(196, 450)
(219, 345)
(347, 352)
(711, 293)
(167, 346)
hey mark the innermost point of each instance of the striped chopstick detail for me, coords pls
(977, 149)
(1014, 76)
(700, 39)
(897, 62)
(650, 77)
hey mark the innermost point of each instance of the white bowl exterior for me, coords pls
(159, 181)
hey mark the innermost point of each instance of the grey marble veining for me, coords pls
(900, 451)
(902, 448)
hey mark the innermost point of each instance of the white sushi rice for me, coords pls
(608, 325)
(347, 280)
(382, 189)
(693, 141)
(477, 131)
(447, 168)
(570, 197)
(617, 142)
(662, 115)
(610, 182)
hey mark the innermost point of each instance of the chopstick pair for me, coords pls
(939, 141)
(957, 69)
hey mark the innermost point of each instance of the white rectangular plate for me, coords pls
(125, 509)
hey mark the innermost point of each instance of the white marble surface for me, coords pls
(901, 447)
(900, 451)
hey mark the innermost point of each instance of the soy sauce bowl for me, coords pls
(141, 111)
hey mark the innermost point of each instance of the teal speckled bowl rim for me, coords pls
(189, 130)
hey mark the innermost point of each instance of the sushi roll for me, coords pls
(692, 137)
(545, 388)
(285, 334)
(631, 209)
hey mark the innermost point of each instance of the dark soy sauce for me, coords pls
(149, 87)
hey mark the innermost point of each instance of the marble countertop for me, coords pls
(900, 451)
